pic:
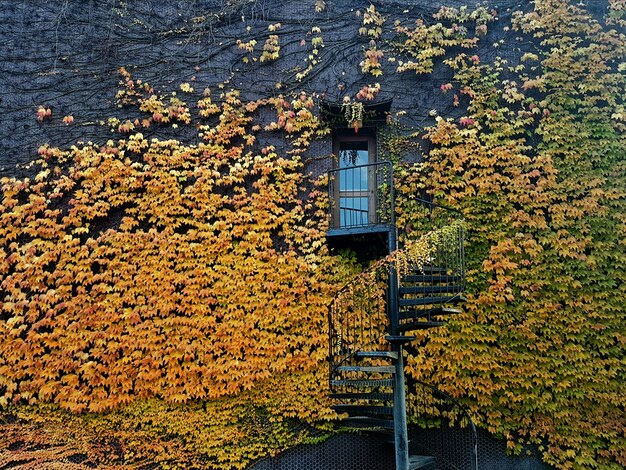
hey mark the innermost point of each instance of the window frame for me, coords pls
(370, 192)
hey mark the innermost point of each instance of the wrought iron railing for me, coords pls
(434, 275)
(426, 217)
(361, 195)
(358, 318)
(429, 272)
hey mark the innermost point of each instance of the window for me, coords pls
(354, 195)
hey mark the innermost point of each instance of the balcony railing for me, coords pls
(361, 196)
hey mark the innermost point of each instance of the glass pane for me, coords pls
(353, 211)
(353, 179)
(353, 154)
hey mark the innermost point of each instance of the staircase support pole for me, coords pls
(399, 414)
(392, 287)
(401, 439)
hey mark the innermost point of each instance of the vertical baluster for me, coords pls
(331, 198)
(368, 322)
(359, 321)
(462, 245)
(460, 248)
(346, 328)
(331, 347)
(346, 183)
(364, 219)
(352, 189)
(375, 173)
(350, 321)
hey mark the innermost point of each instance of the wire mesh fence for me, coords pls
(450, 445)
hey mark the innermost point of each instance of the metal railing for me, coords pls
(428, 216)
(358, 318)
(362, 313)
(435, 276)
(361, 195)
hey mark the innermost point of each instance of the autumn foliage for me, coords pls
(540, 176)
(179, 287)
(155, 268)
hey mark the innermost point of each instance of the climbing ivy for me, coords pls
(173, 291)
(538, 167)
(145, 269)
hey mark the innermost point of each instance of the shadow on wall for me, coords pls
(352, 451)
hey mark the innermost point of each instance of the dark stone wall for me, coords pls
(65, 54)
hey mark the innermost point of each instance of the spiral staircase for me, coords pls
(414, 288)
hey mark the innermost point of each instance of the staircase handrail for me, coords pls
(381, 266)
(436, 204)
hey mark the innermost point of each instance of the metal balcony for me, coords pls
(361, 200)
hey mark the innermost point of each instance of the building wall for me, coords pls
(66, 55)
